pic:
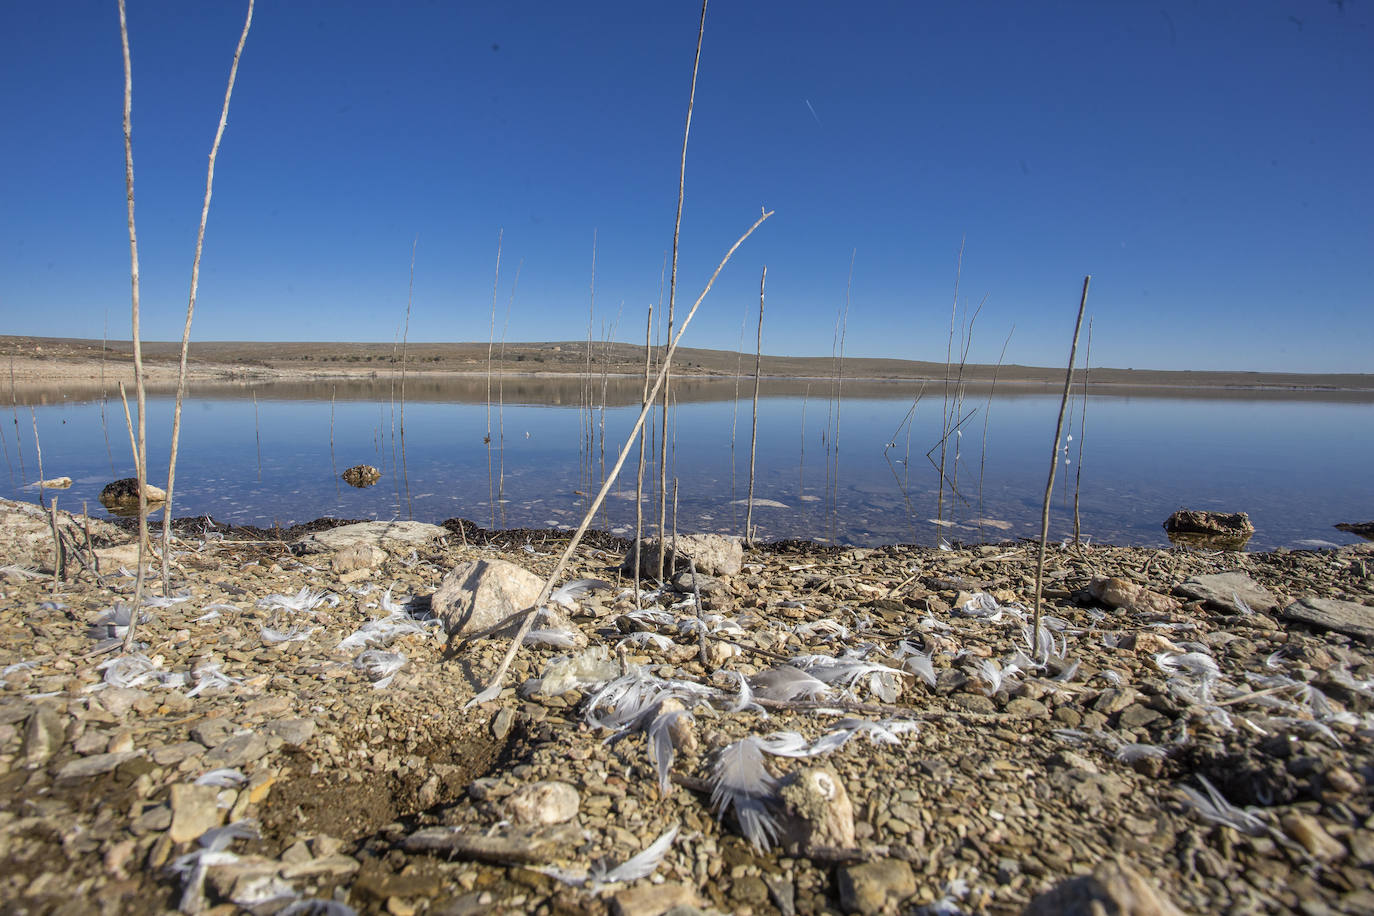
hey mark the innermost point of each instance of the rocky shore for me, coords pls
(826, 730)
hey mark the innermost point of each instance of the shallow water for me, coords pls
(1297, 465)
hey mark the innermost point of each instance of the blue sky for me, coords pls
(1208, 163)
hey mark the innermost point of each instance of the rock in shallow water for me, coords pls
(361, 475)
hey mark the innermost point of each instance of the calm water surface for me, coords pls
(1296, 465)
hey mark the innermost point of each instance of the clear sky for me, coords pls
(1209, 163)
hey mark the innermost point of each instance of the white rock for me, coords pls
(482, 593)
(543, 803)
(713, 554)
(195, 809)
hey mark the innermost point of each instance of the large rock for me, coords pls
(1330, 614)
(543, 803)
(1131, 596)
(124, 492)
(1222, 589)
(875, 887)
(395, 535)
(1363, 529)
(26, 534)
(819, 812)
(480, 594)
(1113, 889)
(1221, 528)
(361, 475)
(713, 554)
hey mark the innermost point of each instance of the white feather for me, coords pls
(741, 781)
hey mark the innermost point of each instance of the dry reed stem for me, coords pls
(839, 398)
(491, 346)
(754, 432)
(5, 441)
(14, 409)
(965, 344)
(333, 468)
(1054, 462)
(38, 447)
(59, 559)
(734, 408)
(1082, 425)
(639, 478)
(584, 415)
(104, 392)
(257, 433)
(501, 401)
(405, 342)
(949, 356)
(191, 306)
(987, 410)
(495, 687)
(672, 292)
(140, 448)
(696, 596)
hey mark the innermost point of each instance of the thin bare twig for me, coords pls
(1082, 429)
(672, 298)
(1054, 462)
(754, 432)
(191, 305)
(140, 448)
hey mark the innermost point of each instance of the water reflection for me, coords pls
(1295, 465)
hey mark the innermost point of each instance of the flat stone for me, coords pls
(875, 887)
(1131, 596)
(213, 732)
(43, 735)
(1136, 715)
(1113, 887)
(335, 866)
(171, 754)
(1221, 590)
(1027, 708)
(237, 751)
(1331, 614)
(355, 557)
(292, 731)
(194, 811)
(394, 535)
(94, 765)
(521, 847)
(1115, 699)
(1308, 831)
(653, 899)
(540, 803)
(267, 707)
(117, 701)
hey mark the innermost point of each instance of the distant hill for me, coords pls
(317, 358)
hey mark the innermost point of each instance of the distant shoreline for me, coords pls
(76, 366)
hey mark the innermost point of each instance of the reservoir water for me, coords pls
(858, 466)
